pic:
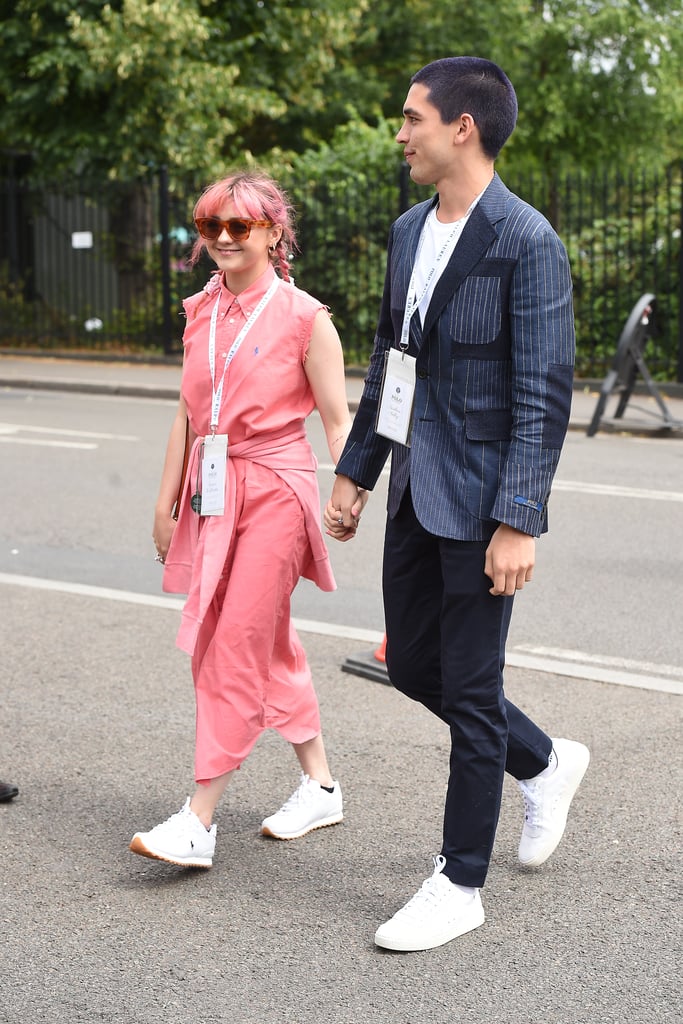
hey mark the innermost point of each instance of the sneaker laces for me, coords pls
(539, 801)
(531, 793)
(432, 890)
(185, 816)
(300, 796)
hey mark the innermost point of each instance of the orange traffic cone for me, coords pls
(381, 652)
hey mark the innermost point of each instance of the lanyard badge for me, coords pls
(395, 411)
(210, 499)
(397, 395)
(213, 469)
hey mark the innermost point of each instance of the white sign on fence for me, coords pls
(81, 239)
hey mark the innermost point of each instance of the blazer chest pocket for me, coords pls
(479, 320)
(475, 317)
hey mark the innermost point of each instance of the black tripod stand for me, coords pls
(628, 362)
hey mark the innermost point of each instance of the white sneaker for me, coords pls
(181, 839)
(547, 800)
(437, 913)
(309, 807)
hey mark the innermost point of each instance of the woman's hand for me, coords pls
(342, 512)
(164, 525)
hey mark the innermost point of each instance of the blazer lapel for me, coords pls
(476, 238)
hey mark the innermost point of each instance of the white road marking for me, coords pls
(563, 654)
(598, 674)
(616, 491)
(47, 443)
(556, 661)
(87, 590)
(20, 428)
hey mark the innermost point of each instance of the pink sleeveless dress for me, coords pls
(239, 570)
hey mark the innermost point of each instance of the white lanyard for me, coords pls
(218, 392)
(412, 300)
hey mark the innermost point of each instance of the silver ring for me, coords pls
(159, 558)
(341, 520)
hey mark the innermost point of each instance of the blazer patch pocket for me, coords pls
(476, 314)
(488, 425)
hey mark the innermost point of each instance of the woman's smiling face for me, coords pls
(242, 262)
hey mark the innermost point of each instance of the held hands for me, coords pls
(342, 513)
(510, 559)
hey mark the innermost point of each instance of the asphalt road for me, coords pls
(97, 731)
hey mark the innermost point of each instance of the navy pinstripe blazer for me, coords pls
(495, 359)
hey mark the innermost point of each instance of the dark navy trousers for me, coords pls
(446, 649)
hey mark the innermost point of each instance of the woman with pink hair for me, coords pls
(259, 356)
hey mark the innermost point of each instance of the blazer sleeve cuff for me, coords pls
(522, 500)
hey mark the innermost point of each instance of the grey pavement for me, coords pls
(161, 379)
(97, 730)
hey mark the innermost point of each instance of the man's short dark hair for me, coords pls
(472, 85)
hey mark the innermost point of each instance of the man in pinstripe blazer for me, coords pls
(477, 297)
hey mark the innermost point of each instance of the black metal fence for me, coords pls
(105, 268)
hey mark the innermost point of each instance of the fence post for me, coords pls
(165, 256)
(12, 209)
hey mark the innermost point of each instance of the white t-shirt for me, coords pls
(435, 238)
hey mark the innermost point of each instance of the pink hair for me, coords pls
(256, 196)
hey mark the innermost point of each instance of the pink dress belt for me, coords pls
(196, 557)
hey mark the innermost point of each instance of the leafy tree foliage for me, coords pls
(114, 89)
(597, 80)
(118, 87)
(314, 91)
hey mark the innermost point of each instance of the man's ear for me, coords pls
(464, 127)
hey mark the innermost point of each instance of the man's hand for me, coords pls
(510, 559)
(342, 513)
